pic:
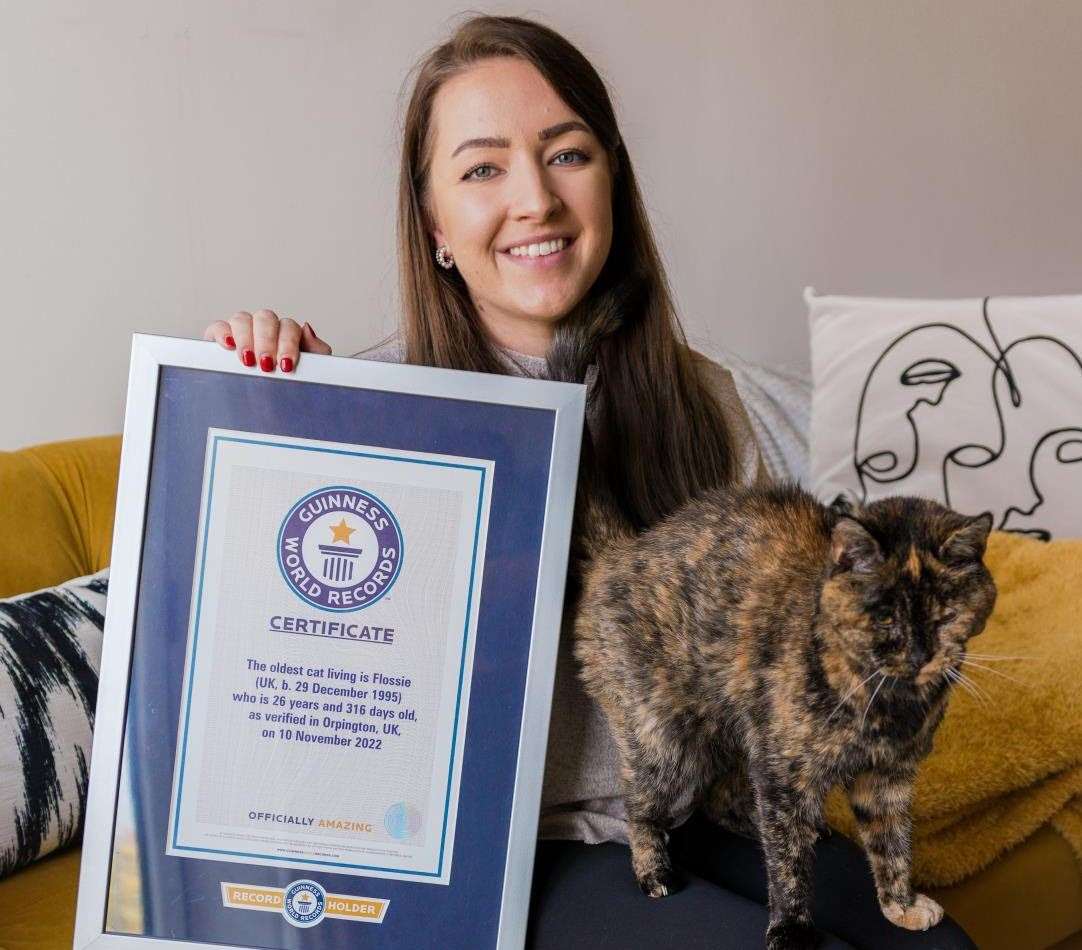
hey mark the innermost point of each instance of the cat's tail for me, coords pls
(600, 525)
(577, 338)
(575, 351)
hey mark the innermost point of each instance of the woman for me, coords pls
(522, 234)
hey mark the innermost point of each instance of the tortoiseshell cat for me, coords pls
(757, 647)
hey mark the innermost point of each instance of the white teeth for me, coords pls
(539, 250)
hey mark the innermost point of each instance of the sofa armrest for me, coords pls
(58, 503)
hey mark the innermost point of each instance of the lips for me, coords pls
(524, 244)
(540, 262)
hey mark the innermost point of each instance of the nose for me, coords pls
(534, 197)
(920, 653)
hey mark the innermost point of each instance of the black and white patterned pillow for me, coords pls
(50, 651)
(975, 402)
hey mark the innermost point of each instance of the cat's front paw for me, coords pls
(660, 882)
(791, 935)
(920, 915)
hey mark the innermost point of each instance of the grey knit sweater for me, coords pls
(581, 798)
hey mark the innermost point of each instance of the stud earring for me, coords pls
(443, 257)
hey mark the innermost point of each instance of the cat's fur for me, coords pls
(757, 647)
(739, 654)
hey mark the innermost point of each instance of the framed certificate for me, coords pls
(334, 607)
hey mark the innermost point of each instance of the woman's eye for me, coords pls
(476, 168)
(572, 151)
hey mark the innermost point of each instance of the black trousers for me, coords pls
(585, 896)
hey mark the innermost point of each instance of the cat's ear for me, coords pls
(852, 548)
(843, 505)
(968, 541)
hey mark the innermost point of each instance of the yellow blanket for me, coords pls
(1005, 765)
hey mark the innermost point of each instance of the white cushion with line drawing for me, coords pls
(974, 402)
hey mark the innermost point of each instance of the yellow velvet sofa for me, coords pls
(56, 505)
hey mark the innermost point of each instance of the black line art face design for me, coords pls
(937, 376)
(1059, 447)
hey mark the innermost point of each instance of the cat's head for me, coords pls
(907, 586)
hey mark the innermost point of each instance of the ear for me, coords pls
(852, 548)
(843, 505)
(967, 542)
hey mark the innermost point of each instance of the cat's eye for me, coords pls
(884, 618)
(947, 616)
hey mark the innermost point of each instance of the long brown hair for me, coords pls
(658, 433)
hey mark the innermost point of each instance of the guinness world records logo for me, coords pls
(340, 548)
(304, 903)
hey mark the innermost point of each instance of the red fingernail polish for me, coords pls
(266, 363)
(230, 342)
(249, 358)
(287, 365)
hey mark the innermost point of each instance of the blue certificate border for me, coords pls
(461, 667)
(180, 897)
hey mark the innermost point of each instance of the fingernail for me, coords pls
(287, 365)
(230, 342)
(266, 363)
(308, 327)
(248, 357)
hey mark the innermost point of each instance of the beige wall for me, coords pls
(165, 164)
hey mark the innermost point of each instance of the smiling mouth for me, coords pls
(541, 260)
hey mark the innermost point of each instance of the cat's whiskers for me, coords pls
(882, 680)
(997, 672)
(952, 678)
(961, 674)
(850, 693)
(997, 656)
(966, 683)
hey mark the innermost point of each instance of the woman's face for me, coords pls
(513, 167)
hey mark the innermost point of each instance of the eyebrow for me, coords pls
(544, 135)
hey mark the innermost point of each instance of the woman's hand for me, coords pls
(266, 340)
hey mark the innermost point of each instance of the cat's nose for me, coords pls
(919, 655)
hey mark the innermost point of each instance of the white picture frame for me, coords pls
(158, 363)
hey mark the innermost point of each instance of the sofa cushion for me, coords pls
(974, 402)
(50, 652)
(58, 503)
(1030, 898)
(778, 401)
(39, 904)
